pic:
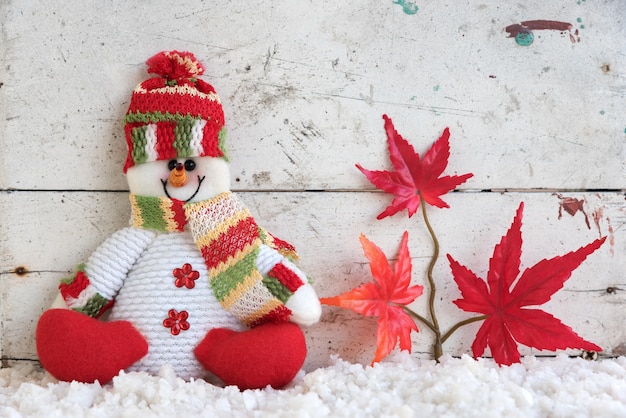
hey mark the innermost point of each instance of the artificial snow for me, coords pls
(398, 387)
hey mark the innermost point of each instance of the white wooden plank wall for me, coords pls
(303, 87)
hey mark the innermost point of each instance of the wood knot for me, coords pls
(20, 271)
(589, 355)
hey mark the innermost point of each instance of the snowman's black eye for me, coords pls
(172, 164)
(190, 165)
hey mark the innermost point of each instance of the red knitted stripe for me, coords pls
(75, 287)
(177, 103)
(281, 245)
(105, 308)
(231, 242)
(279, 314)
(286, 277)
(210, 140)
(179, 214)
(165, 140)
(128, 128)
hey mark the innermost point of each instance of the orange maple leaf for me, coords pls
(384, 298)
(414, 179)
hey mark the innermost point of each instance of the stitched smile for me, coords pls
(200, 180)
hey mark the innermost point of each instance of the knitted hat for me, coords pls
(174, 115)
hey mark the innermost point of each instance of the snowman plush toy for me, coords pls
(193, 282)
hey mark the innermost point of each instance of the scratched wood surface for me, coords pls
(303, 88)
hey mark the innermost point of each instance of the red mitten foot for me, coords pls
(270, 354)
(73, 346)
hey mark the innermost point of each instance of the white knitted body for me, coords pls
(148, 292)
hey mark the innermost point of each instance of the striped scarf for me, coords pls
(157, 213)
(233, 247)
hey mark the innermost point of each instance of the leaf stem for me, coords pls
(438, 350)
(460, 324)
(419, 318)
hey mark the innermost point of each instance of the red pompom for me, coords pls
(175, 65)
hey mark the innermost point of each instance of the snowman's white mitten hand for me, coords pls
(304, 305)
(59, 303)
(291, 285)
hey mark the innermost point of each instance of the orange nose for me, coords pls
(178, 176)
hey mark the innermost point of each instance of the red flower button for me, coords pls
(185, 276)
(176, 321)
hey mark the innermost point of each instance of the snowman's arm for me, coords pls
(303, 303)
(96, 283)
(275, 263)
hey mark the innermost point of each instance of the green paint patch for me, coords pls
(524, 38)
(408, 7)
(436, 88)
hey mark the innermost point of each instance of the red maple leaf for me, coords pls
(504, 299)
(384, 298)
(414, 179)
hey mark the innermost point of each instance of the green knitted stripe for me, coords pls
(183, 137)
(224, 283)
(221, 142)
(263, 235)
(93, 305)
(277, 289)
(138, 137)
(152, 215)
(154, 117)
